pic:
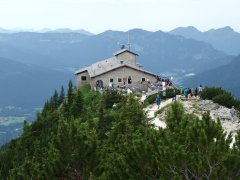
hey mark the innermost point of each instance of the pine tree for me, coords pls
(65, 109)
(54, 100)
(26, 126)
(77, 104)
(70, 93)
(61, 96)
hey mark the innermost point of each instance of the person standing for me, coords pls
(110, 85)
(196, 91)
(200, 89)
(174, 95)
(189, 92)
(232, 112)
(186, 92)
(158, 101)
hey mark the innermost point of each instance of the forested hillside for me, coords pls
(86, 135)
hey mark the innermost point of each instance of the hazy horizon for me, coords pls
(46, 29)
(97, 16)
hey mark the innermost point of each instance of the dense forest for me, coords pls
(83, 134)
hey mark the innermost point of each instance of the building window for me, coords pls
(143, 79)
(119, 79)
(83, 78)
(111, 80)
(129, 80)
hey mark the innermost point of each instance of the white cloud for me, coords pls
(190, 74)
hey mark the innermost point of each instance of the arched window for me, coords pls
(99, 84)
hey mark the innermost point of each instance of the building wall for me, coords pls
(129, 57)
(123, 73)
(80, 82)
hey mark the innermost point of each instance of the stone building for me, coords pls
(121, 70)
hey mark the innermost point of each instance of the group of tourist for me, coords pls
(187, 93)
(167, 81)
(190, 92)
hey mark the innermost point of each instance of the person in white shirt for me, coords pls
(200, 89)
(232, 112)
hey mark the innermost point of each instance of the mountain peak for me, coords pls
(187, 30)
(226, 29)
(138, 30)
(68, 30)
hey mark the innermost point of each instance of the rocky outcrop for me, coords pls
(198, 107)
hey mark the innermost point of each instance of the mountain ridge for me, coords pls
(224, 39)
(46, 30)
(73, 50)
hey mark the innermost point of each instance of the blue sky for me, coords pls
(99, 15)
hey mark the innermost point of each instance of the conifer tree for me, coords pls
(77, 104)
(61, 96)
(54, 100)
(70, 93)
(65, 109)
(26, 126)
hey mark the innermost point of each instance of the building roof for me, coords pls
(107, 65)
(124, 50)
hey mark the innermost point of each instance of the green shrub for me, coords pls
(220, 96)
(225, 99)
(151, 99)
(111, 97)
(238, 105)
(211, 92)
(85, 89)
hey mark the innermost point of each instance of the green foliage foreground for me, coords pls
(89, 136)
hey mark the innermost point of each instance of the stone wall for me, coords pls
(80, 82)
(123, 73)
(128, 57)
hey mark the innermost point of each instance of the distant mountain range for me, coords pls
(28, 85)
(227, 77)
(73, 50)
(224, 39)
(160, 52)
(46, 30)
